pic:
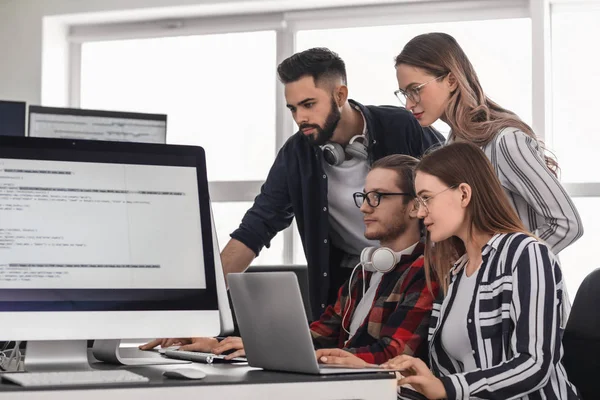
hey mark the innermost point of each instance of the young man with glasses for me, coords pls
(392, 316)
(315, 189)
(377, 315)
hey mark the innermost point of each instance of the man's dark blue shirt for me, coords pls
(297, 187)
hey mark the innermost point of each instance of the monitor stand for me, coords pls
(72, 355)
(56, 355)
(110, 352)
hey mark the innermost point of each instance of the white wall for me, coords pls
(22, 25)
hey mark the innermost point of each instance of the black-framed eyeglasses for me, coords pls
(422, 201)
(373, 197)
(414, 93)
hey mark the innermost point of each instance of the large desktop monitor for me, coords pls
(12, 118)
(104, 240)
(75, 123)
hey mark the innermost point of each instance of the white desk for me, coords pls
(224, 382)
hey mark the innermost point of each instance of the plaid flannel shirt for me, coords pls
(397, 322)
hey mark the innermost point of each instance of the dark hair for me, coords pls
(471, 114)
(489, 210)
(404, 166)
(318, 62)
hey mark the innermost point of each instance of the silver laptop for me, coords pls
(274, 325)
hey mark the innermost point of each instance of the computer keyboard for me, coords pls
(196, 356)
(72, 378)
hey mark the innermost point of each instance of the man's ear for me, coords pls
(341, 95)
(413, 209)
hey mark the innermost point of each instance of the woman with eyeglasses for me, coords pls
(437, 81)
(497, 332)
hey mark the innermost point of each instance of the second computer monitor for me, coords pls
(12, 118)
(72, 123)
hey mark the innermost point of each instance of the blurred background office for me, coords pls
(210, 65)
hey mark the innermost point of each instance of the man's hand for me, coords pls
(416, 373)
(230, 343)
(203, 344)
(165, 342)
(340, 357)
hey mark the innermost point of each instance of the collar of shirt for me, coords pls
(491, 245)
(365, 130)
(406, 252)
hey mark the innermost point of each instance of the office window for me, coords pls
(581, 258)
(500, 51)
(575, 88)
(574, 140)
(228, 216)
(218, 91)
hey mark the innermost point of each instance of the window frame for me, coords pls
(288, 23)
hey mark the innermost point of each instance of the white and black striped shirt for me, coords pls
(513, 324)
(539, 199)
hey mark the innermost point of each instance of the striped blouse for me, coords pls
(513, 324)
(539, 199)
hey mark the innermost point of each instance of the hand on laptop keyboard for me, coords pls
(231, 346)
(340, 357)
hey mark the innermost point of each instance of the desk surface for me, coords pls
(223, 381)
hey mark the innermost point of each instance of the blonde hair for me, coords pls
(472, 116)
(488, 211)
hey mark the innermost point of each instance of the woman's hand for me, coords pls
(416, 373)
(340, 357)
(230, 343)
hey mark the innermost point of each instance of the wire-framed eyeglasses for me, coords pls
(414, 93)
(373, 198)
(422, 201)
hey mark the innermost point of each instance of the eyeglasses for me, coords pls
(422, 201)
(373, 197)
(413, 94)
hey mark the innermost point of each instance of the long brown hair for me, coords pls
(472, 115)
(488, 211)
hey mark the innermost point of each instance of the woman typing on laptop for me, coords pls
(383, 310)
(497, 333)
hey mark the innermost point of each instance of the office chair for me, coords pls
(581, 339)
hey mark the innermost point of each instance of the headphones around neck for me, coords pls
(378, 259)
(373, 259)
(335, 154)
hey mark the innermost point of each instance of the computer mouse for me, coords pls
(184, 373)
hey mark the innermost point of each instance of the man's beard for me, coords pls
(390, 234)
(324, 135)
(394, 228)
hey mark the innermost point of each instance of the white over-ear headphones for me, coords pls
(373, 259)
(378, 259)
(335, 154)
